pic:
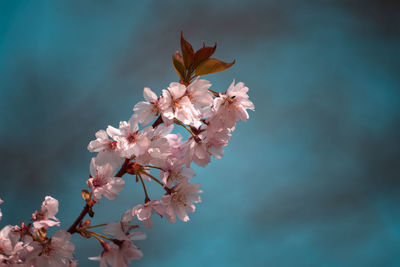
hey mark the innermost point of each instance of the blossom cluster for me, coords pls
(146, 147)
(28, 245)
(209, 118)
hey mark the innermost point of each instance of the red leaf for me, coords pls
(187, 52)
(203, 53)
(177, 62)
(212, 65)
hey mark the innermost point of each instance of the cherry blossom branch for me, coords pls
(87, 207)
(157, 122)
(208, 116)
(123, 169)
(72, 228)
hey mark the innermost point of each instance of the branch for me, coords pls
(87, 208)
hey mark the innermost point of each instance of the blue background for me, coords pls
(312, 179)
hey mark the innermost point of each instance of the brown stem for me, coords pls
(168, 190)
(72, 228)
(157, 122)
(150, 166)
(87, 208)
(147, 199)
(122, 171)
(195, 136)
(216, 94)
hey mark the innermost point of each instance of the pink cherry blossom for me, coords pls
(118, 255)
(232, 106)
(175, 104)
(46, 217)
(103, 182)
(159, 148)
(180, 201)
(196, 152)
(148, 110)
(122, 230)
(102, 143)
(173, 172)
(130, 141)
(58, 252)
(108, 149)
(199, 94)
(6, 244)
(25, 252)
(216, 136)
(144, 212)
(177, 146)
(13, 251)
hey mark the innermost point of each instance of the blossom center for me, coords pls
(229, 100)
(97, 181)
(179, 199)
(46, 249)
(112, 145)
(131, 138)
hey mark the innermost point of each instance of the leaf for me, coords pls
(187, 52)
(212, 65)
(203, 53)
(177, 62)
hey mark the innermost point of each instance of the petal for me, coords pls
(114, 229)
(148, 223)
(133, 123)
(217, 152)
(45, 224)
(50, 205)
(188, 172)
(101, 134)
(200, 152)
(243, 115)
(108, 170)
(113, 132)
(138, 235)
(231, 87)
(177, 90)
(93, 167)
(181, 213)
(149, 95)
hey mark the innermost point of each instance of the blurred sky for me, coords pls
(312, 179)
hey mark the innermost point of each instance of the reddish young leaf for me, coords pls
(177, 62)
(212, 65)
(187, 52)
(203, 53)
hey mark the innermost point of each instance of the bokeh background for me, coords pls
(312, 179)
